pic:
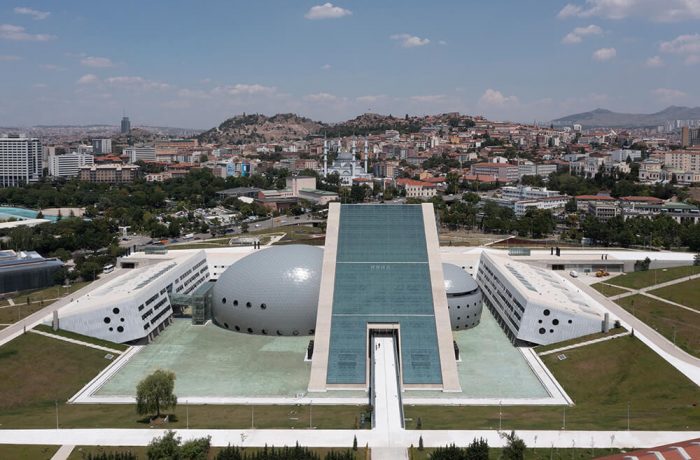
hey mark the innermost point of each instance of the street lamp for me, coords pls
(500, 415)
(628, 415)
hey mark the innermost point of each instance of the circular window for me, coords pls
(226, 325)
(111, 329)
(278, 332)
(107, 320)
(248, 304)
(555, 321)
(570, 321)
(250, 331)
(223, 300)
(539, 321)
(457, 327)
(551, 331)
(542, 330)
(120, 329)
(115, 311)
(311, 332)
(237, 328)
(295, 332)
(459, 306)
(458, 318)
(264, 332)
(235, 303)
(263, 306)
(546, 313)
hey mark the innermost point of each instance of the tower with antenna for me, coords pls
(366, 154)
(325, 158)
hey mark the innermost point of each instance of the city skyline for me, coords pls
(193, 65)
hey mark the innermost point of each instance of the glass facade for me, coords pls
(382, 276)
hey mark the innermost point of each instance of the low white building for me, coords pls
(522, 192)
(136, 304)
(534, 305)
(69, 164)
(554, 203)
(143, 153)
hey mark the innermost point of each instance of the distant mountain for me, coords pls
(605, 118)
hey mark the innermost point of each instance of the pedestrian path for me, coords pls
(77, 342)
(63, 453)
(583, 344)
(653, 287)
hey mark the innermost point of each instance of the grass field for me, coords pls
(601, 379)
(17, 452)
(29, 302)
(638, 280)
(607, 290)
(686, 293)
(83, 338)
(14, 313)
(676, 324)
(79, 451)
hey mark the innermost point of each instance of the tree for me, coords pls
(164, 448)
(477, 450)
(514, 448)
(696, 260)
(155, 392)
(196, 449)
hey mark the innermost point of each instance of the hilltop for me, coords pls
(606, 118)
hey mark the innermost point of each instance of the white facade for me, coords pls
(551, 204)
(144, 153)
(20, 161)
(136, 304)
(102, 146)
(527, 193)
(68, 165)
(535, 305)
(542, 170)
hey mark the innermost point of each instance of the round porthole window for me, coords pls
(107, 320)
(295, 332)
(237, 328)
(264, 332)
(235, 303)
(248, 304)
(263, 306)
(121, 319)
(111, 329)
(120, 329)
(542, 330)
(551, 331)
(226, 325)
(250, 331)
(545, 313)
(223, 300)
(570, 321)
(555, 321)
(279, 333)
(115, 311)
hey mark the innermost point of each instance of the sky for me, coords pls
(192, 64)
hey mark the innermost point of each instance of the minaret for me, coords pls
(354, 152)
(325, 158)
(366, 154)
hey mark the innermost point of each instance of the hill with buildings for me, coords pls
(606, 118)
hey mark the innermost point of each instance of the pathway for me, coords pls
(77, 342)
(583, 344)
(653, 287)
(63, 453)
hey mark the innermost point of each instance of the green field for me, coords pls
(17, 452)
(676, 324)
(686, 293)
(29, 302)
(12, 314)
(601, 379)
(639, 280)
(585, 338)
(607, 290)
(83, 338)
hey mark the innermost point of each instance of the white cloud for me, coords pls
(33, 13)
(327, 11)
(370, 99)
(442, 43)
(18, 33)
(683, 44)
(428, 98)
(193, 94)
(410, 41)
(326, 67)
(137, 83)
(655, 61)
(8, 58)
(88, 79)
(493, 98)
(321, 97)
(245, 89)
(576, 36)
(668, 95)
(52, 67)
(98, 62)
(655, 10)
(604, 54)
(692, 60)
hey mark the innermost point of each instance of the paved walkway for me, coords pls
(344, 438)
(77, 342)
(645, 290)
(63, 453)
(583, 344)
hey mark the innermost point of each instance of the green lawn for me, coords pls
(668, 320)
(80, 451)
(638, 280)
(585, 338)
(83, 338)
(18, 452)
(686, 293)
(608, 290)
(52, 292)
(9, 315)
(601, 379)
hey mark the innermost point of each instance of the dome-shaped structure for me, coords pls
(463, 297)
(270, 292)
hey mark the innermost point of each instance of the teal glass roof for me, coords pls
(382, 276)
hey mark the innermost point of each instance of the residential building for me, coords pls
(503, 172)
(604, 210)
(69, 164)
(386, 169)
(141, 153)
(623, 155)
(109, 173)
(523, 192)
(542, 170)
(20, 160)
(102, 146)
(684, 160)
(417, 189)
(650, 171)
(554, 204)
